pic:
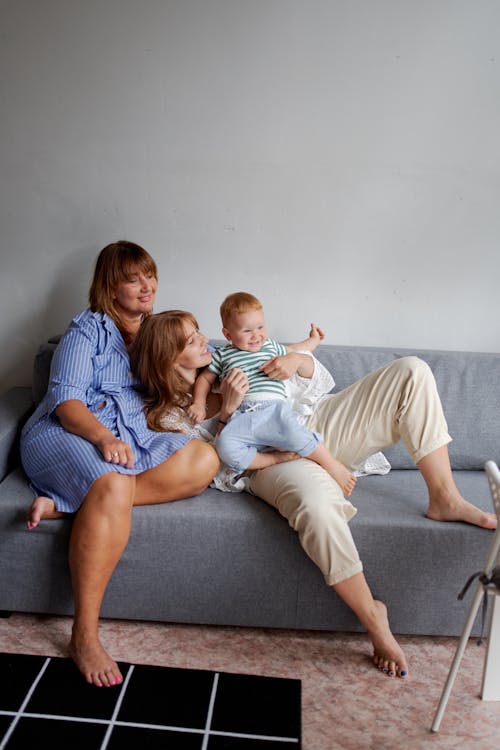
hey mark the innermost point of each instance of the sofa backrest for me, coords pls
(468, 383)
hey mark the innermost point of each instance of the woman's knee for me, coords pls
(113, 492)
(203, 462)
(413, 368)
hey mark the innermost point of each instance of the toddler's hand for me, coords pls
(316, 333)
(197, 412)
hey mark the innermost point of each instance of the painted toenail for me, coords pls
(403, 673)
(392, 674)
(385, 670)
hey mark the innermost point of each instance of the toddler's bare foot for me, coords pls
(387, 654)
(41, 508)
(344, 478)
(451, 506)
(94, 662)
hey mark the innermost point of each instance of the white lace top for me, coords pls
(303, 395)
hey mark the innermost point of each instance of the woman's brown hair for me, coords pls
(160, 340)
(115, 264)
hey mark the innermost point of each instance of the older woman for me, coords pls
(87, 447)
(398, 401)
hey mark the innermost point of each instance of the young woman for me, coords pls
(87, 447)
(398, 401)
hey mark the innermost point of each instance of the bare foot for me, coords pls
(387, 654)
(344, 478)
(94, 662)
(451, 506)
(41, 507)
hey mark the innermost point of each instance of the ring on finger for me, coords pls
(115, 454)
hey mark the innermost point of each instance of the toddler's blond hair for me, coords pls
(238, 302)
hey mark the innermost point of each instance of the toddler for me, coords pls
(264, 419)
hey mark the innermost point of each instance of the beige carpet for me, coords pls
(346, 702)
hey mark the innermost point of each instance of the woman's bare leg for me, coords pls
(100, 534)
(187, 472)
(445, 501)
(372, 614)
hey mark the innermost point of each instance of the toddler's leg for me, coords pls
(234, 443)
(335, 468)
(263, 460)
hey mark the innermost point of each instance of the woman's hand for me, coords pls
(282, 367)
(116, 451)
(76, 418)
(232, 389)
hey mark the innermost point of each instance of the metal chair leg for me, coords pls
(490, 690)
(457, 658)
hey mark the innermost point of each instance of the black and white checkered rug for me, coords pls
(45, 702)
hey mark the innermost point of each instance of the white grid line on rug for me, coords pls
(207, 732)
(25, 702)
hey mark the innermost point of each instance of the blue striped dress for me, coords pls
(91, 365)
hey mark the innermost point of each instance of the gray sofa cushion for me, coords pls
(230, 559)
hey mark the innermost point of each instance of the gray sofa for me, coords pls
(230, 559)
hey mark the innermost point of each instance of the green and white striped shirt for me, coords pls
(228, 357)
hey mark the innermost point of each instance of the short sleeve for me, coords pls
(279, 349)
(215, 365)
(71, 371)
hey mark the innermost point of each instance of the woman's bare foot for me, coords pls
(387, 654)
(447, 505)
(94, 662)
(41, 508)
(344, 478)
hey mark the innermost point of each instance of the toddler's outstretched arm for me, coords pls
(316, 336)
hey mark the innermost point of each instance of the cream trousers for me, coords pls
(398, 401)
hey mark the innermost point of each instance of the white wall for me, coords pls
(339, 158)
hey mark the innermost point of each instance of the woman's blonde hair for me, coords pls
(115, 264)
(160, 340)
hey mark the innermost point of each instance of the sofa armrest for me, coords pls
(15, 406)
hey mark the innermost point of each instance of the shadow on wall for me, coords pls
(63, 298)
